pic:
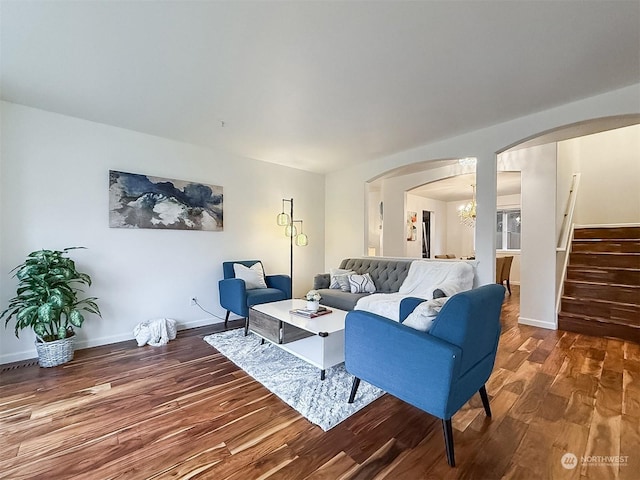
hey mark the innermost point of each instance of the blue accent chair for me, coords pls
(436, 371)
(236, 298)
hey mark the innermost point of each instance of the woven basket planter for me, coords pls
(52, 354)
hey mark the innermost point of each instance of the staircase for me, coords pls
(602, 286)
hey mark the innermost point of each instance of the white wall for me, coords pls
(538, 244)
(459, 236)
(609, 166)
(374, 222)
(418, 204)
(344, 189)
(54, 181)
(567, 166)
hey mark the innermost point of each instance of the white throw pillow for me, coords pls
(424, 314)
(419, 322)
(362, 284)
(253, 277)
(339, 278)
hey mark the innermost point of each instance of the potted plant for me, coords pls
(313, 300)
(47, 301)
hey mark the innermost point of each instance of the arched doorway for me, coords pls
(550, 163)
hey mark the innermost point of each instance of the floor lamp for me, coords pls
(286, 220)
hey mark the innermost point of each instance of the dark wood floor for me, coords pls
(185, 411)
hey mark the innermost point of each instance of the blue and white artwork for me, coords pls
(142, 201)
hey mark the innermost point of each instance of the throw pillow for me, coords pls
(343, 281)
(339, 278)
(424, 315)
(253, 277)
(419, 322)
(362, 284)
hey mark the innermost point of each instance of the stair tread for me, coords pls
(607, 239)
(598, 300)
(589, 318)
(633, 254)
(597, 268)
(602, 284)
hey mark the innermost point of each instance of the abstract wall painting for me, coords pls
(143, 201)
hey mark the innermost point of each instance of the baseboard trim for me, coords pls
(97, 342)
(537, 323)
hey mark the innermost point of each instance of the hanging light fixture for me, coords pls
(301, 239)
(467, 212)
(468, 161)
(284, 218)
(290, 230)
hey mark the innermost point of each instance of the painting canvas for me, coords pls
(412, 230)
(142, 201)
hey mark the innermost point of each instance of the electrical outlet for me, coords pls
(193, 301)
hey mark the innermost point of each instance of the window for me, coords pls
(508, 230)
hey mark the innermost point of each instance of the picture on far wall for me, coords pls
(142, 201)
(412, 229)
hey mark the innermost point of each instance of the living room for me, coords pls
(86, 89)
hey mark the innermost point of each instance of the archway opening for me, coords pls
(585, 173)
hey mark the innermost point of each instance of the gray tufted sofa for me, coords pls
(387, 275)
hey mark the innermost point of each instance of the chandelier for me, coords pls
(467, 212)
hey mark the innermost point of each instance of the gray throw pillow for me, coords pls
(339, 278)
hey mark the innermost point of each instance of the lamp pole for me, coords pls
(291, 247)
(288, 222)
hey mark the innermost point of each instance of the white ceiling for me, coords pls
(313, 85)
(459, 187)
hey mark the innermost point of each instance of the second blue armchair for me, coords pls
(237, 298)
(437, 371)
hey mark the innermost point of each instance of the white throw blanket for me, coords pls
(423, 278)
(155, 332)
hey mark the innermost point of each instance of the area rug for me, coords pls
(297, 383)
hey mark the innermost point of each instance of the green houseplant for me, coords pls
(47, 301)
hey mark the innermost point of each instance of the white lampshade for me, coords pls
(283, 219)
(302, 240)
(290, 231)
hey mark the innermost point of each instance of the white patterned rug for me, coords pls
(297, 383)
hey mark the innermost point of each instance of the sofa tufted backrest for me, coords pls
(387, 275)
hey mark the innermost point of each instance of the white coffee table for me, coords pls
(318, 341)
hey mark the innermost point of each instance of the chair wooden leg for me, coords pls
(509, 286)
(262, 341)
(485, 400)
(354, 389)
(226, 319)
(448, 441)
(246, 326)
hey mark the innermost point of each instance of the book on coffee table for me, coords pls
(303, 312)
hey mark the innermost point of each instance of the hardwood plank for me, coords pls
(629, 444)
(334, 469)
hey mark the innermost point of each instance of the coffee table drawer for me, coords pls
(273, 329)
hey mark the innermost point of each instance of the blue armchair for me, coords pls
(437, 371)
(236, 298)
